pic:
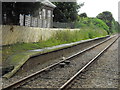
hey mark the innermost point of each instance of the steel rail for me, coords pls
(19, 82)
(84, 67)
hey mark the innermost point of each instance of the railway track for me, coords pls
(65, 85)
(65, 65)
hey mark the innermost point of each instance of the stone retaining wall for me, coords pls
(19, 34)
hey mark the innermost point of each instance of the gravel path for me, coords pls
(104, 73)
(55, 78)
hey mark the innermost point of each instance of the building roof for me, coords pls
(47, 3)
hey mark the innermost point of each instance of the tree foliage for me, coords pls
(91, 22)
(107, 17)
(66, 11)
(115, 26)
(83, 15)
(13, 9)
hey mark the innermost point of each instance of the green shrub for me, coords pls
(91, 22)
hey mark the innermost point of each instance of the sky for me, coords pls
(93, 7)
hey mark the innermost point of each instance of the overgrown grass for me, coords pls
(60, 37)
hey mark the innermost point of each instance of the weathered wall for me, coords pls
(14, 34)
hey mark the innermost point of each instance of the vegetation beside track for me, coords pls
(18, 59)
(60, 38)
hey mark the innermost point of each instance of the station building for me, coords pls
(42, 17)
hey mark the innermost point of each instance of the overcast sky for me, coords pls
(94, 7)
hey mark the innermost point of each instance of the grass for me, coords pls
(61, 37)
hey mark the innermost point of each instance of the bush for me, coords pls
(91, 22)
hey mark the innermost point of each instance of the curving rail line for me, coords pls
(64, 86)
(22, 81)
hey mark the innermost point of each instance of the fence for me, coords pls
(27, 20)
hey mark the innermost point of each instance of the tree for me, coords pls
(83, 15)
(66, 11)
(12, 10)
(110, 21)
(7, 11)
(115, 26)
(107, 17)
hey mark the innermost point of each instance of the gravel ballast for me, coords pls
(102, 74)
(23, 72)
(61, 74)
(58, 76)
